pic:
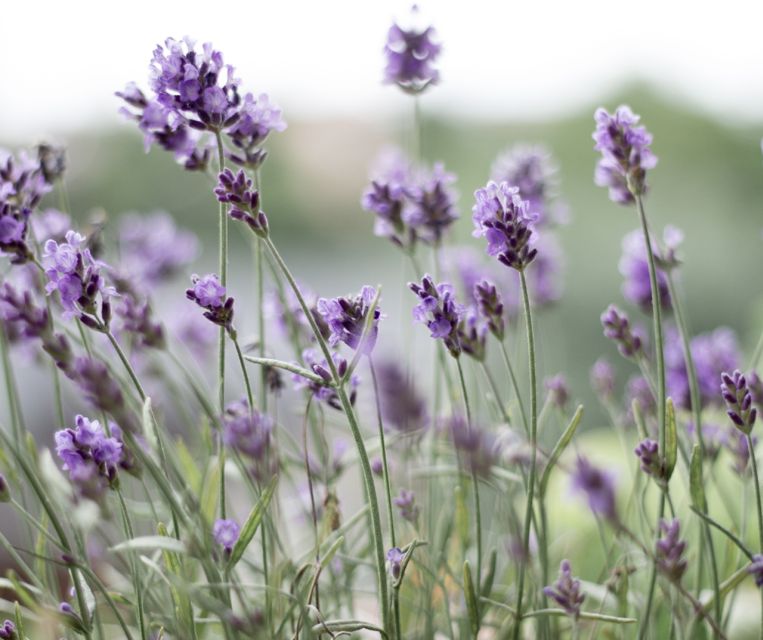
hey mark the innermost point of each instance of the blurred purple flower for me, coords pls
(670, 549)
(346, 318)
(566, 590)
(439, 311)
(225, 533)
(258, 117)
(634, 267)
(603, 378)
(410, 56)
(598, 487)
(756, 569)
(617, 328)
(406, 503)
(401, 405)
(249, 432)
(324, 391)
(475, 447)
(209, 294)
(50, 224)
(394, 561)
(558, 390)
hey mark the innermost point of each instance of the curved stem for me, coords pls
(127, 366)
(759, 506)
(133, 568)
(249, 395)
(515, 386)
(534, 448)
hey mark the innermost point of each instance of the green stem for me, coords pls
(534, 452)
(515, 386)
(759, 506)
(127, 366)
(357, 436)
(661, 400)
(134, 569)
(222, 228)
(249, 395)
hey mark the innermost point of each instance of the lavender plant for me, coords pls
(179, 504)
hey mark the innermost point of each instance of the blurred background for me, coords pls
(511, 72)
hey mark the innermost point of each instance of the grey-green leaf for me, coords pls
(252, 524)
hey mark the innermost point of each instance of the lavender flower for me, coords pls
(736, 393)
(22, 182)
(617, 328)
(244, 200)
(755, 569)
(50, 224)
(652, 463)
(100, 389)
(225, 533)
(90, 457)
(490, 307)
(152, 248)
(603, 378)
(325, 392)
(406, 503)
(597, 486)
(76, 275)
(136, 319)
(531, 169)
(503, 218)
(395, 562)
(401, 405)
(637, 388)
(472, 334)
(432, 204)
(387, 198)
(250, 433)
(209, 294)
(634, 267)
(257, 118)
(558, 391)
(377, 467)
(410, 57)
(346, 319)
(52, 162)
(667, 255)
(476, 448)
(566, 590)
(739, 448)
(439, 311)
(14, 225)
(8, 631)
(192, 330)
(670, 549)
(625, 154)
(290, 316)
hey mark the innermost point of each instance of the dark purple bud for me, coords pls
(670, 549)
(566, 591)
(738, 397)
(617, 328)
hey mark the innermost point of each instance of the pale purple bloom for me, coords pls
(634, 267)
(670, 549)
(598, 487)
(257, 118)
(472, 333)
(736, 393)
(410, 56)
(50, 224)
(394, 561)
(249, 432)
(626, 156)
(476, 448)
(209, 294)
(558, 391)
(566, 590)
(8, 631)
(755, 569)
(439, 311)
(406, 503)
(617, 327)
(739, 448)
(603, 378)
(490, 307)
(377, 467)
(136, 320)
(13, 231)
(22, 181)
(431, 206)
(504, 219)
(100, 389)
(325, 392)
(346, 318)
(652, 463)
(637, 388)
(226, 534)
(402, 406)
(244, 200)
(192, 330)
(290, 317)
(153, 249)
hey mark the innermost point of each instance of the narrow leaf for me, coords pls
(471, 601)
(696, 489)
(671, 440)
(151, 543)
(487, 583)
(560, 446)
(252, 523)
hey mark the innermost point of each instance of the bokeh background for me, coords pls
(511, 72)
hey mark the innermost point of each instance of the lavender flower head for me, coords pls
(626, 156)
(652, 463)
(406, 503)
(8, 631)
(597, 486)
(152, 248)
(50, 224)
(395, 561)
(90, 457)
(257, 119)
(755, 569)
(603, 378)
(490, 306)
(250, 433)
(531, 169)
(617, 328)
(237, 190)
(504, 219)
(634, 267)
(76, 275)
(225, 533)
(402, 406)
(476, 448)
(325, 391)
(22, 180)
(670, 549)
(209, 294)
(558, 391)
(736, 393)
(410, 57)
(566, 590)
(346, 318)
(439, 311)
(432, 204)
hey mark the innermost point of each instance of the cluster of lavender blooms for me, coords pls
(566, 591)
(193, 92)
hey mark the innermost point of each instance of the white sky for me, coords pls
(61, 60)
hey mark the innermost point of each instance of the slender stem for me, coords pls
(249, 395)
(17, 423)
(134, 569)
(261, 326)
(365, 466)
(756, 355)
(696, 408)
(387, 491)
(222, 230)
(515, 386)
(759, 505)
(127, 366)
(533, 454)
(660, 358)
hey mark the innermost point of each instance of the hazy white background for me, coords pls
(62, 60)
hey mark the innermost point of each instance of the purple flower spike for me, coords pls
(431, 204)
(411, 54)
(617, 327)
(603, 378)
(402, 407)
(652, 463)
(406, 502)
(504, 219)
(14, 225)
(736, 393)
(237, 191)
(225, 533)
(209, 294)
(325, 392)
(670, 549)
(755, 569)
(395, 562)
(476, 448)
(490, 306)
(346, 319)
(558, 391)
(597, 486)
(257, 118)
(736, 443)
(624, 145)
(566, 590)
(8, 631)
(250, 433)
(439, 311)
(634, 267)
